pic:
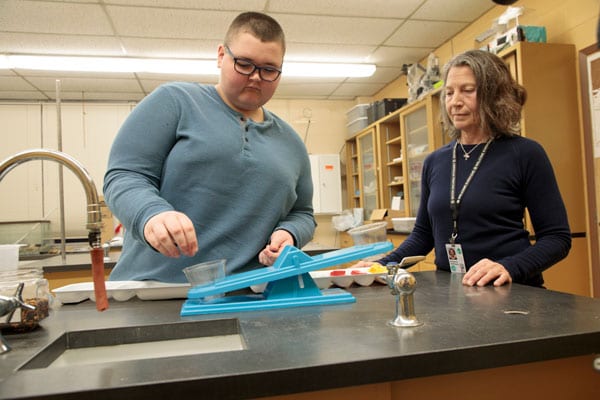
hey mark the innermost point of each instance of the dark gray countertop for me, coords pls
(319, 347)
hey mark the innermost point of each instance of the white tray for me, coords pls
(326, 278)
(153, 290)
(123, 291)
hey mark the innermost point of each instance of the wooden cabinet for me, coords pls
(550, 117)
(368, 171)
(393, 177)
(421, 134)
(384, 160)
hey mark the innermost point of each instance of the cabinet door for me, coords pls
(392, 164)
(352, 179)
(368, 172)
(417, 147)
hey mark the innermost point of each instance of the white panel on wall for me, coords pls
(21, 188)
(327, 183)
(31, 190)
(88, 130)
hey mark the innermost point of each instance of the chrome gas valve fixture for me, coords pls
(8, 306)
(403, 284)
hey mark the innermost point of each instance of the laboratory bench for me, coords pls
(503, 342)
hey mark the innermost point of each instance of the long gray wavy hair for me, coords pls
(500, 98)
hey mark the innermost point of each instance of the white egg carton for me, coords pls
(122, 291)
(153, 290)
(342, 278)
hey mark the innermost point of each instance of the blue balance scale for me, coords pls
(289, 283)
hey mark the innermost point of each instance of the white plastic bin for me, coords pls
(357, 125)
(358, 111)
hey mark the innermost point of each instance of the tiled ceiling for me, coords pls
(389, 33)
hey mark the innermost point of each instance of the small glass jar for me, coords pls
(36, 292)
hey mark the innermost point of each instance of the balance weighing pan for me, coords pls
(289, 283)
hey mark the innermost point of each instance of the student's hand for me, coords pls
(279, 239)
(171, 233)
(486, 271)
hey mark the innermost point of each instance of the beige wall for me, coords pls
(566, 21)
(326, 134)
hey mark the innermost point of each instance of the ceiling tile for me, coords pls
(68, 74)
(170, 23)
(232, 5)
(7, 72)
(424, 33)
(336, 30)
(38, 43)
(357, 8)
(461, 11)
(22, 95)
(54, 17)
(358, 89)
(73, 84)
(171, 48)
(382, 75)
(328, 52)
(98, 96)
(8, 83)
(397, 56)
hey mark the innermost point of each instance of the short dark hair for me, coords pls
(259, 25)
(499, 97)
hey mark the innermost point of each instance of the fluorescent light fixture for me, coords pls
(323, 70)
(110, 64)
(170, 66)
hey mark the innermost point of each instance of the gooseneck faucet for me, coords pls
(94, 218)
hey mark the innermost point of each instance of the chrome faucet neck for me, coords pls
(94, 219)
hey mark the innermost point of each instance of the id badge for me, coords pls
(455, 258)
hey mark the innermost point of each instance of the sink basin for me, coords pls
(76, 348)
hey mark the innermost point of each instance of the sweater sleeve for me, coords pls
(132, 181)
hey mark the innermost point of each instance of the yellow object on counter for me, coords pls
(377, 268)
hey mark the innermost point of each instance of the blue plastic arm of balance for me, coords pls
(291, 262)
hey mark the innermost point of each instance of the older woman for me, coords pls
(475, 190)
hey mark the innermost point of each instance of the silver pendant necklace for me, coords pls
(467, 154)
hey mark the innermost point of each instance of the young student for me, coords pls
(203, 172)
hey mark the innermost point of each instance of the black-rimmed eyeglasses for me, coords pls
(245, 67)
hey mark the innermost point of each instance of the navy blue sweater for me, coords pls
(514, 175)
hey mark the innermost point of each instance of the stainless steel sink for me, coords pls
(76, 348)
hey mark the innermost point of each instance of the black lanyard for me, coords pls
(454, 201)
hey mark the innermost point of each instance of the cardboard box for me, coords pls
(384, 214)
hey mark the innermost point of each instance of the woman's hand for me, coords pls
(486, 271)
(279, 239)
(171, 233)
